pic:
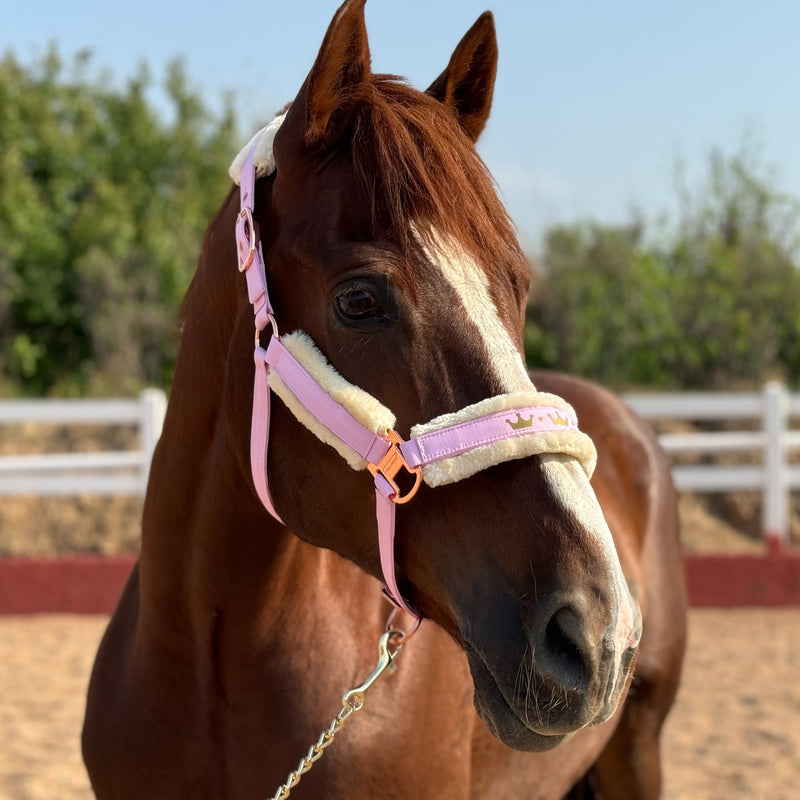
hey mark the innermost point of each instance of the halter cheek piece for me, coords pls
(444, 450)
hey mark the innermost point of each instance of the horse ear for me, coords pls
(467, 85)
(323, 106)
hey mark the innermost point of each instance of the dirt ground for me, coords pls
(734, 733)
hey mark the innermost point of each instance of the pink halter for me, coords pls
(387, 455)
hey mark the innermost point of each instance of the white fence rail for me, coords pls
(100, 473)
(769, 412)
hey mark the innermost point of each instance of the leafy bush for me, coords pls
(712, 303)
(103, 201)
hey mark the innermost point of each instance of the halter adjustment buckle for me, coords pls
(245, 238)
(391, 465)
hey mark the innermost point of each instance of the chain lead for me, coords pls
(352, 701)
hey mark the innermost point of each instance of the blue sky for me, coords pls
(594, 103)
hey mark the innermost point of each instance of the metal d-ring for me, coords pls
(391, 464)
(259, 331)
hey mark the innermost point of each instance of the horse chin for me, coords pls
(506, 726)
(527, 730)
(501, 719)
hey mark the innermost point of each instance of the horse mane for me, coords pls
(424, 179)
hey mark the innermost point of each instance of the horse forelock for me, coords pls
(425, 181)
(421, 176)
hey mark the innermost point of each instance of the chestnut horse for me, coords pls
(384, 241)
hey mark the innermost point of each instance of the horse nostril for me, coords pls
(563, 639)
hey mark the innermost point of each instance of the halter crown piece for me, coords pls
(445, 450)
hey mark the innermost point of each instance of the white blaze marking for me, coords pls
(564, 475)
(472, 287)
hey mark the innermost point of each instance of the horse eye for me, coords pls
(358, 303)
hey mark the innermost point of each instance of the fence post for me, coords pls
(154, 407)
(775, 524)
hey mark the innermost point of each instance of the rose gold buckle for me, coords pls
(248, 229)
(391, 464)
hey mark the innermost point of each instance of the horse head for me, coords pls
(386, 244)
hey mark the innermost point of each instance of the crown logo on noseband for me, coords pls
(527, 422)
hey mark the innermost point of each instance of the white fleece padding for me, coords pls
(368, 410)
(569, 442)
(264, 158)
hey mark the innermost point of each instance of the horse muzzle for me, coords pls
(565, 675)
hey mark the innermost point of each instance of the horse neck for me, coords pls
(207, 542)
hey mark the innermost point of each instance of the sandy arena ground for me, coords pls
(734, 734)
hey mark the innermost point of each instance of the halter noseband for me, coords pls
(445, 450)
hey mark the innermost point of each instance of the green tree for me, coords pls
(103, 200)
(604, 308)
(735, 272)
(712, 302)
